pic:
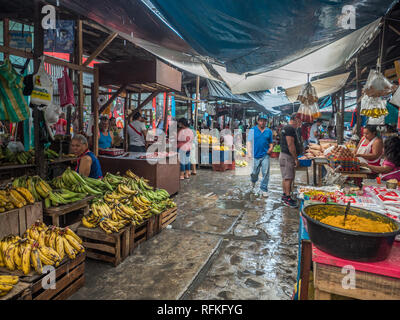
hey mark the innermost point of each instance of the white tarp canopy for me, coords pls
(323, 87)
(296, 73)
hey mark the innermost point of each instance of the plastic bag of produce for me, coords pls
(376, 88)
(305, 113)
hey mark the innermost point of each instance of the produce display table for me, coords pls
(317, 171)
(373, 281)
(66, 212)
(160, 175)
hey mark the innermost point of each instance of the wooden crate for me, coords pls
(18, 220)
(70, 277)
(69, 215)
(166, 218)
(138, 234)
(21, 291)
(113, 248)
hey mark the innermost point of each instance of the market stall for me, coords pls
(373, 251)
(162, 169)
(138, 75)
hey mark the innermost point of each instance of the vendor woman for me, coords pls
(390, 168)
(105, 136)
(87, 165)
(370, 148)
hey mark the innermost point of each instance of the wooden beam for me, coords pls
(78, 61)
(48, 59)
(6, 34)
(96, 26)
(95, 104)
(394, 30)
(40, 162)
(113, 97)
(142, 104)
(100, 49)
(397, 67)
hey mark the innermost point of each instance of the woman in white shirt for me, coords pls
(137, 133)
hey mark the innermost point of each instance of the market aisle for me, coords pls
(225, 244)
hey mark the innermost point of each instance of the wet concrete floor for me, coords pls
(226, 243)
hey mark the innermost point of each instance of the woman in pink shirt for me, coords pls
(390, 168)
(184, 143)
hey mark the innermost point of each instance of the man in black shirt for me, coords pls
(291, 148)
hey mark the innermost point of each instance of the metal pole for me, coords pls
(358, 74)
(197, 103)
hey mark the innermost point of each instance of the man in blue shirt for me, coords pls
(259, 147)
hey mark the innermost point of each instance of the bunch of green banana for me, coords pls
(7, 283)
(73, 181)
(158, 195)
(24, 157)
(51, 154)
(112, 180)
(61, 197)
(98, 184)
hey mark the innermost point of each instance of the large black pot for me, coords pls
(348, 244)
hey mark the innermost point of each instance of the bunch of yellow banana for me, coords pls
(15, 198)
(110, 217)
(7, 283)
(60, 241)
(16, 253)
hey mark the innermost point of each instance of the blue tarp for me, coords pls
(264, 99)
(262, 35)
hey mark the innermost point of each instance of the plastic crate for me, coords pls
(305, 162)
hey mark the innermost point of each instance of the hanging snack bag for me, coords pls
(42, 94)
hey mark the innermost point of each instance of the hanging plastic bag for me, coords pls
(42, 93)
(66, 90)
(373, 102)
(52, 114)
(305, 113)
(309, 109)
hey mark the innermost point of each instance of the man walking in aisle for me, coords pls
(291, 148)
(259, 147)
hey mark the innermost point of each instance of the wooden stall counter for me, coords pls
(162, 173)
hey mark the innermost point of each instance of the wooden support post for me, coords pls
(78, 61)
(100, 49)
(127, 106)
(196, 111)
(358, 86)
(41, 164)
(166, 113)
(95, 103)
(342, 110)
(6, 34)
